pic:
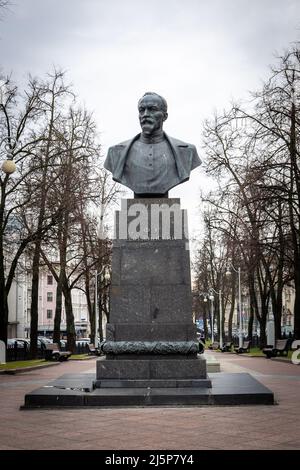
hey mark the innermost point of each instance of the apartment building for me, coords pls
(19, 302)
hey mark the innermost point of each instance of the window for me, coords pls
(50, 280)
(49, 314)
(49, 296)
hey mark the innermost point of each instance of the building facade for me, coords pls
(19, 303)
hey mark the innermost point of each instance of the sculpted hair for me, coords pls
(162, 99)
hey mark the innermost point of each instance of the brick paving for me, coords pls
(238, 427)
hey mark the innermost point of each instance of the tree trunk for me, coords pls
(102, 307)
(217, 318)
(71, 333)
(250, 325)
(100, 324)
(58, 310)
(277, 312)
(3, 313)
(262, 325)
(223, 323)
(205, 323)
(295, 225)
(262, 316)
(34, 314)
(91, 312)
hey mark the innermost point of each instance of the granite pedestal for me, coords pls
(76, 390)
(151, 339)
(151, 345)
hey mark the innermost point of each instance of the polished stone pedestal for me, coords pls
(151, 348)
(74, 391)
(151, 339)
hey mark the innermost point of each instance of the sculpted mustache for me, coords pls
(145, 121)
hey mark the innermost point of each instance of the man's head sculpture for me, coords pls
(152, 113)
(152, 163)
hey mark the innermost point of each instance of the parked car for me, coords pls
(24, 343)
(63, 343)
(84, 340)
(45, 339)
(21, 343)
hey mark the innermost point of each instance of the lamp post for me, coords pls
(105, 270)
(208, 295)
(228, 273)
(219, 293)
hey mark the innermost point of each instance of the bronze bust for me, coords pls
(152, 162)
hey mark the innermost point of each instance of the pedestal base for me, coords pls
(158, 371)
(75, 391)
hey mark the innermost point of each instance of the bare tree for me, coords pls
(81, 185)
(54, 93)
(18, 138)
(247, 214)
(275, 121)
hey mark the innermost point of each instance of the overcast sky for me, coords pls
(198, 54)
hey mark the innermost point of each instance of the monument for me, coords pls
(151, 349)
(152, 163)
(151, 340)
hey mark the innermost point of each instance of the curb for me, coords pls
(232, 353)
(82, 360)
(27, 369)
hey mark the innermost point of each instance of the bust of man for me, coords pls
(152, 162)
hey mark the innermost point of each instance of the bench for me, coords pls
(245, 348)
(215, 345)
(281, 348)
(227, 347)
(295, 345)
(201, 347)
(52, 353)
(93, 350)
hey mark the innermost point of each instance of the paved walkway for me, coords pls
(241, 427)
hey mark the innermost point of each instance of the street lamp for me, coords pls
(208, 295)
(219, 293)
(105, 270)
(8, 166)
(228, 273)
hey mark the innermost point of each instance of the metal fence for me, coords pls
(16, 353)
(235, 340)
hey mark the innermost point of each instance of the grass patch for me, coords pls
(288, 357)
(256, 352)
(23, 364)
(80, 357)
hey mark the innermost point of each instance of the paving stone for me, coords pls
(164, 425)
